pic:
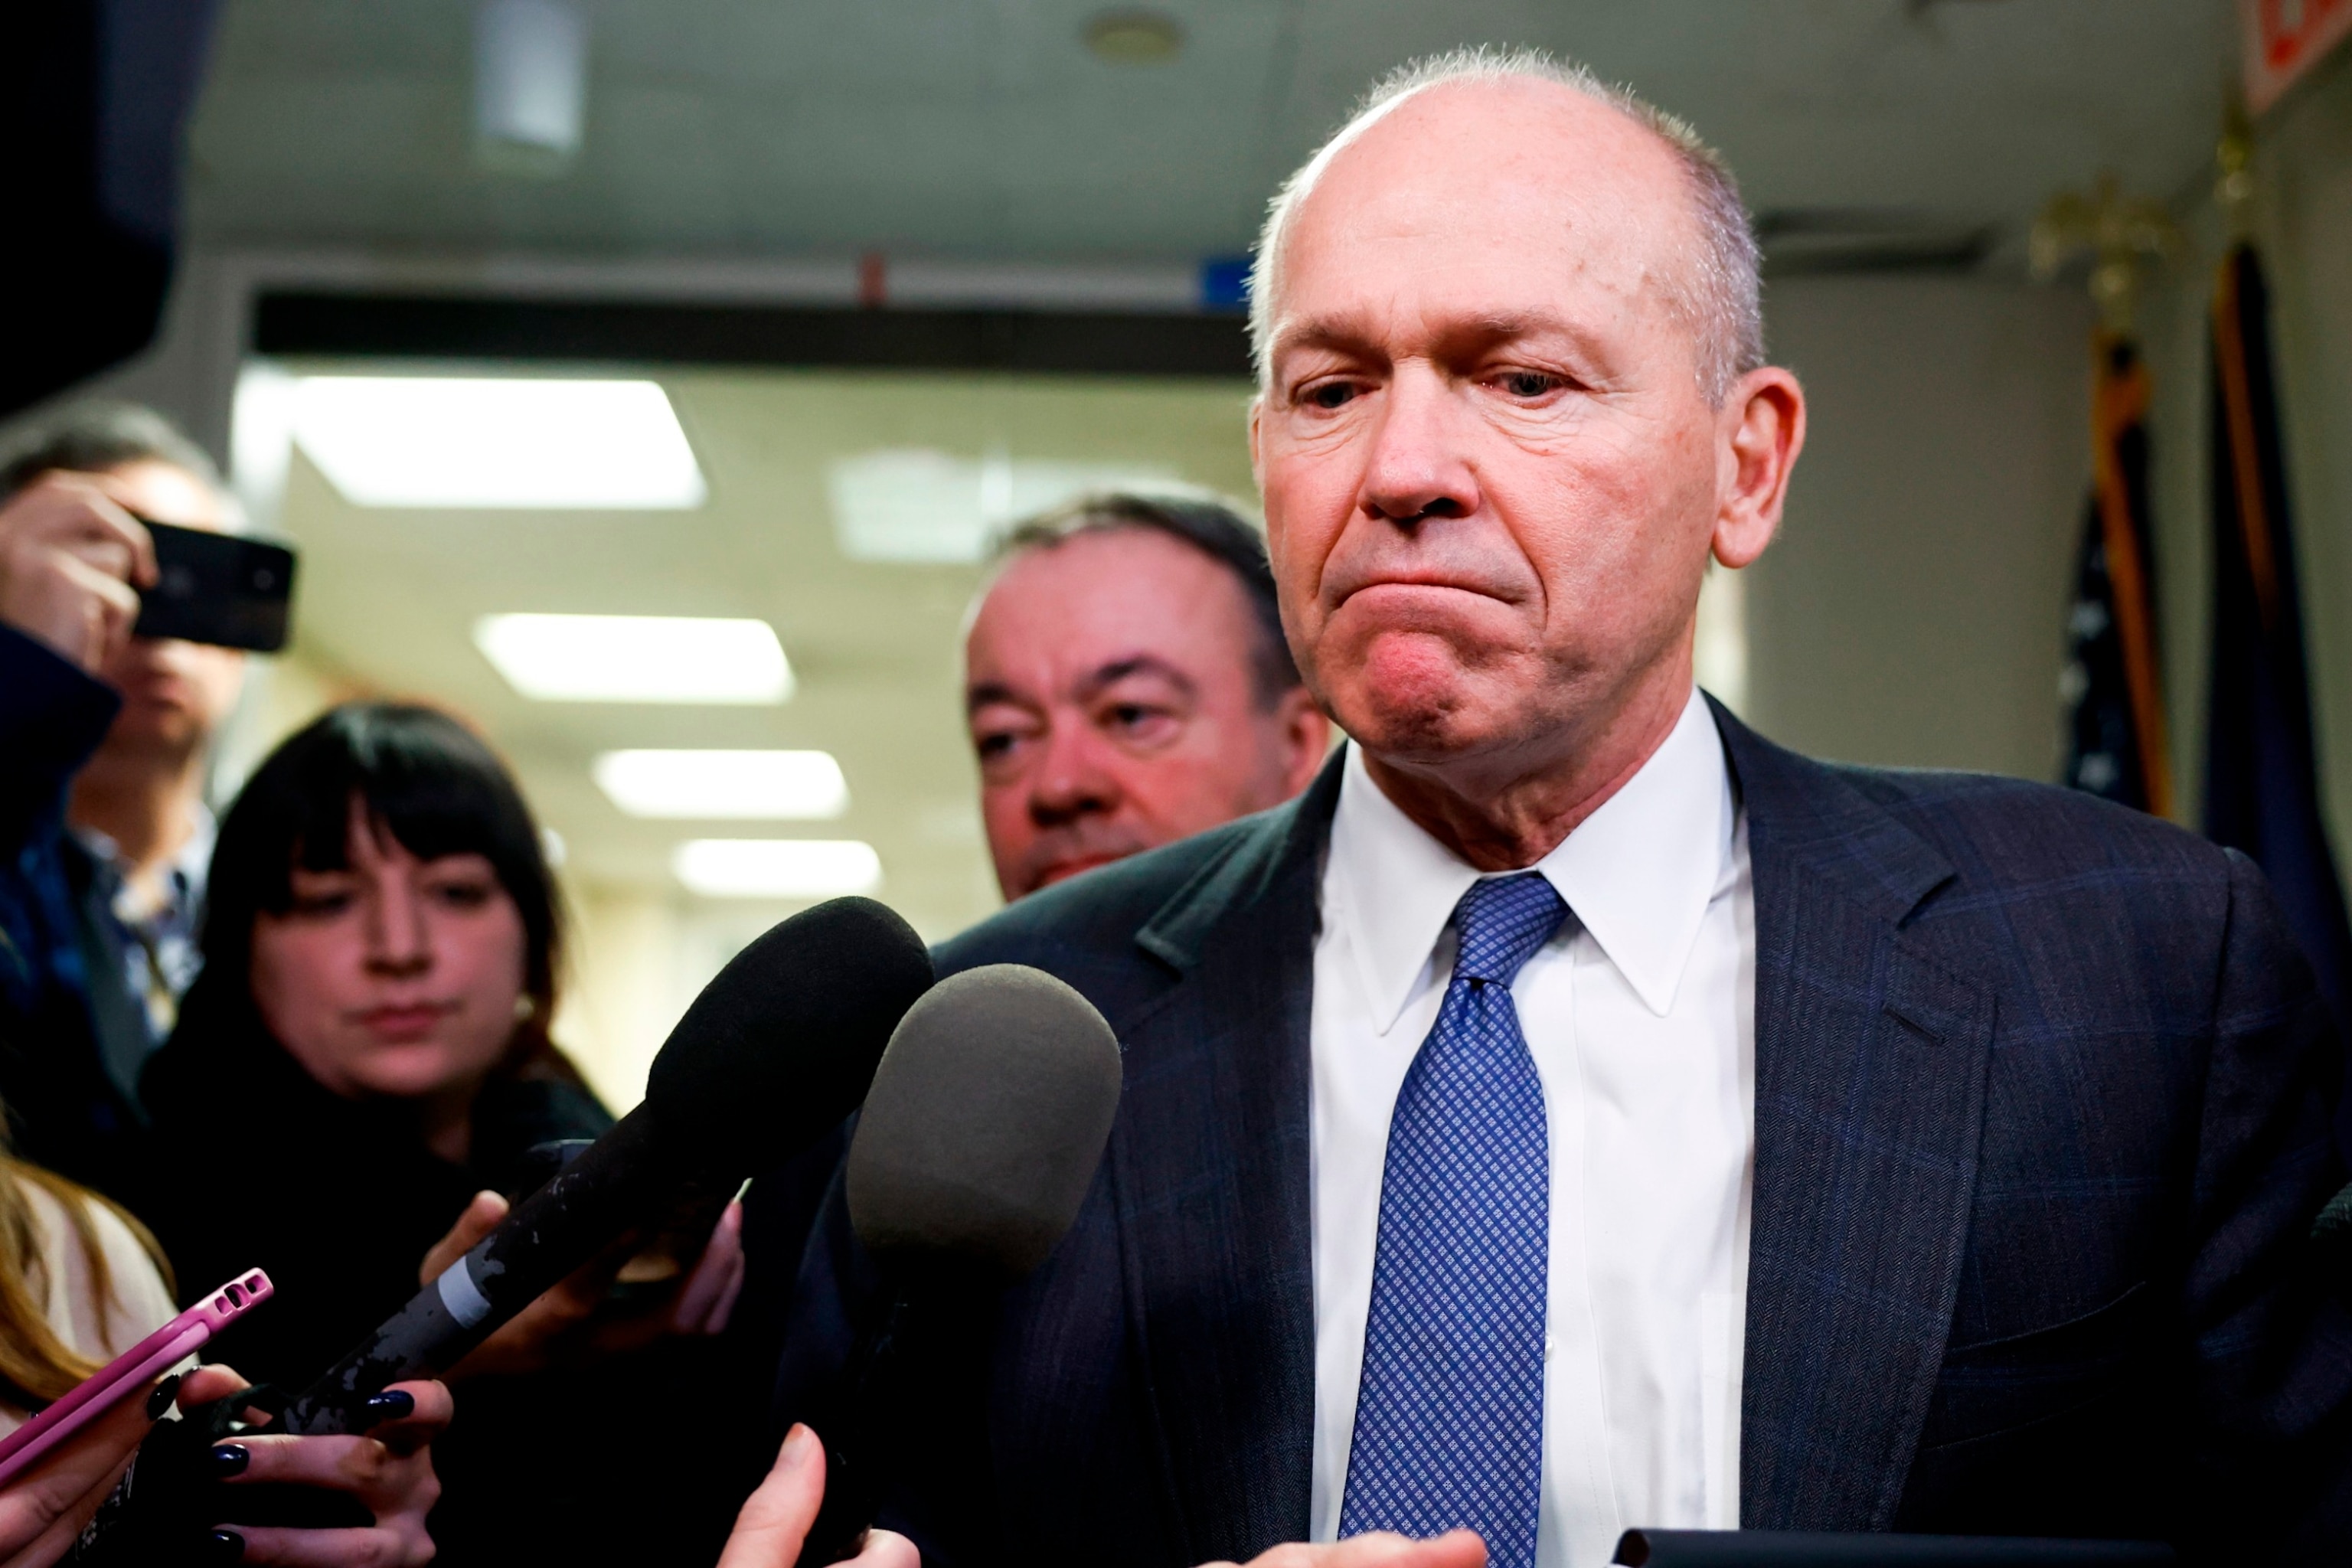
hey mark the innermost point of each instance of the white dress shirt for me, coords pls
(1640, 1014)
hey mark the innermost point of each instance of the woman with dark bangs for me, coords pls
(365, 1052)
(367, 1044)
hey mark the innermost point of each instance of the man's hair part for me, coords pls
(1720, 294)
(1213, 529)
(97, 436)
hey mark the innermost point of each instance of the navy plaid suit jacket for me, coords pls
(2041, 1121)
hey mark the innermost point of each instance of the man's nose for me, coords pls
(1070, 782)
(1418, 466)
(398, 943)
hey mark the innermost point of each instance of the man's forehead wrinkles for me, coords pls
(1431, 327)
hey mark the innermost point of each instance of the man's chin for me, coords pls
(161, 728)
(1432, 724)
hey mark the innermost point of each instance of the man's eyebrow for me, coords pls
(979, 696)
(1118, 669)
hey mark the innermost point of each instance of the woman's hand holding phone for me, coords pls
(42, 1511)
(388, 1470)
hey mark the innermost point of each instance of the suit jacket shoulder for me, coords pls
(1119, 933)
(2042, 1120)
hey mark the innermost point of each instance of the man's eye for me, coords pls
(1529, 383)
(1330, 395)
(991, 747)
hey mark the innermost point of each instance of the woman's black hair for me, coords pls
(422, 777)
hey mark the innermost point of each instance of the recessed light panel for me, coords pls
(777, 868)
(636, 658)
(440, 441)
(740, 785)
(914, 505)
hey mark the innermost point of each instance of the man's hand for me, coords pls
(776, 1518)
(388, 1470)
(45, 1508)
(71, 559)
(573, 1323)
(1455, 1549)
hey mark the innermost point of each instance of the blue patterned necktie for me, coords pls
(1449, 1415)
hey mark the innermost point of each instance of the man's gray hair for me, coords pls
(94, 435)
(1721, 292)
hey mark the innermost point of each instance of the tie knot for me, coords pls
(1501, 922)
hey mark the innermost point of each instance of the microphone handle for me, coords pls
(607, 1187)
(862, 1452)
(933, 1339)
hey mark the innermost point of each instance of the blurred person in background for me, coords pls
(104, 834)
(380, 952)
(1127, 684)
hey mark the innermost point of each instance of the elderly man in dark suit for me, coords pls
(1576, 1113)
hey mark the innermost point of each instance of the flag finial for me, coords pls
(2233, 187)
(2117, 232)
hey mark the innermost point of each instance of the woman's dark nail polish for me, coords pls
(227, 1546)
(392, 1405)
(160, 1400)
(230, 1459)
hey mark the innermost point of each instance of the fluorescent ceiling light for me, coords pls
(915, 505)
(743, 786)
(530, 84)
(636, 658)
(435, 441)
(777, 868)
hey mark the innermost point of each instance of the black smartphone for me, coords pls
(217, 588)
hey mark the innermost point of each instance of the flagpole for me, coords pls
(2119, 408)
(2120, 743)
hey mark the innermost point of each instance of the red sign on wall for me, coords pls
(2285, 38)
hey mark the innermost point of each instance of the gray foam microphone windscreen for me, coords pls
(985, 1122)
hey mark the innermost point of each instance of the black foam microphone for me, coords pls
(771, 1056)
(979, 1140)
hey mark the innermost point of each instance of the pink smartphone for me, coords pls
(130, 1371)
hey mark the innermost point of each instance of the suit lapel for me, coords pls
(1871, 1055)
(1210, 1176)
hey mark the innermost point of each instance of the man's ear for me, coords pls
(1762, 432)
(1257, 469)
(1305, 739)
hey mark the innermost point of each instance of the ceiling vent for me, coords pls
(1803, 242)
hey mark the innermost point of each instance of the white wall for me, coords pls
(1911, 611)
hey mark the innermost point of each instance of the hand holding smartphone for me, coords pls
(130, 1371)
(220, 588)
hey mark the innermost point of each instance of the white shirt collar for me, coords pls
(1639, 872)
